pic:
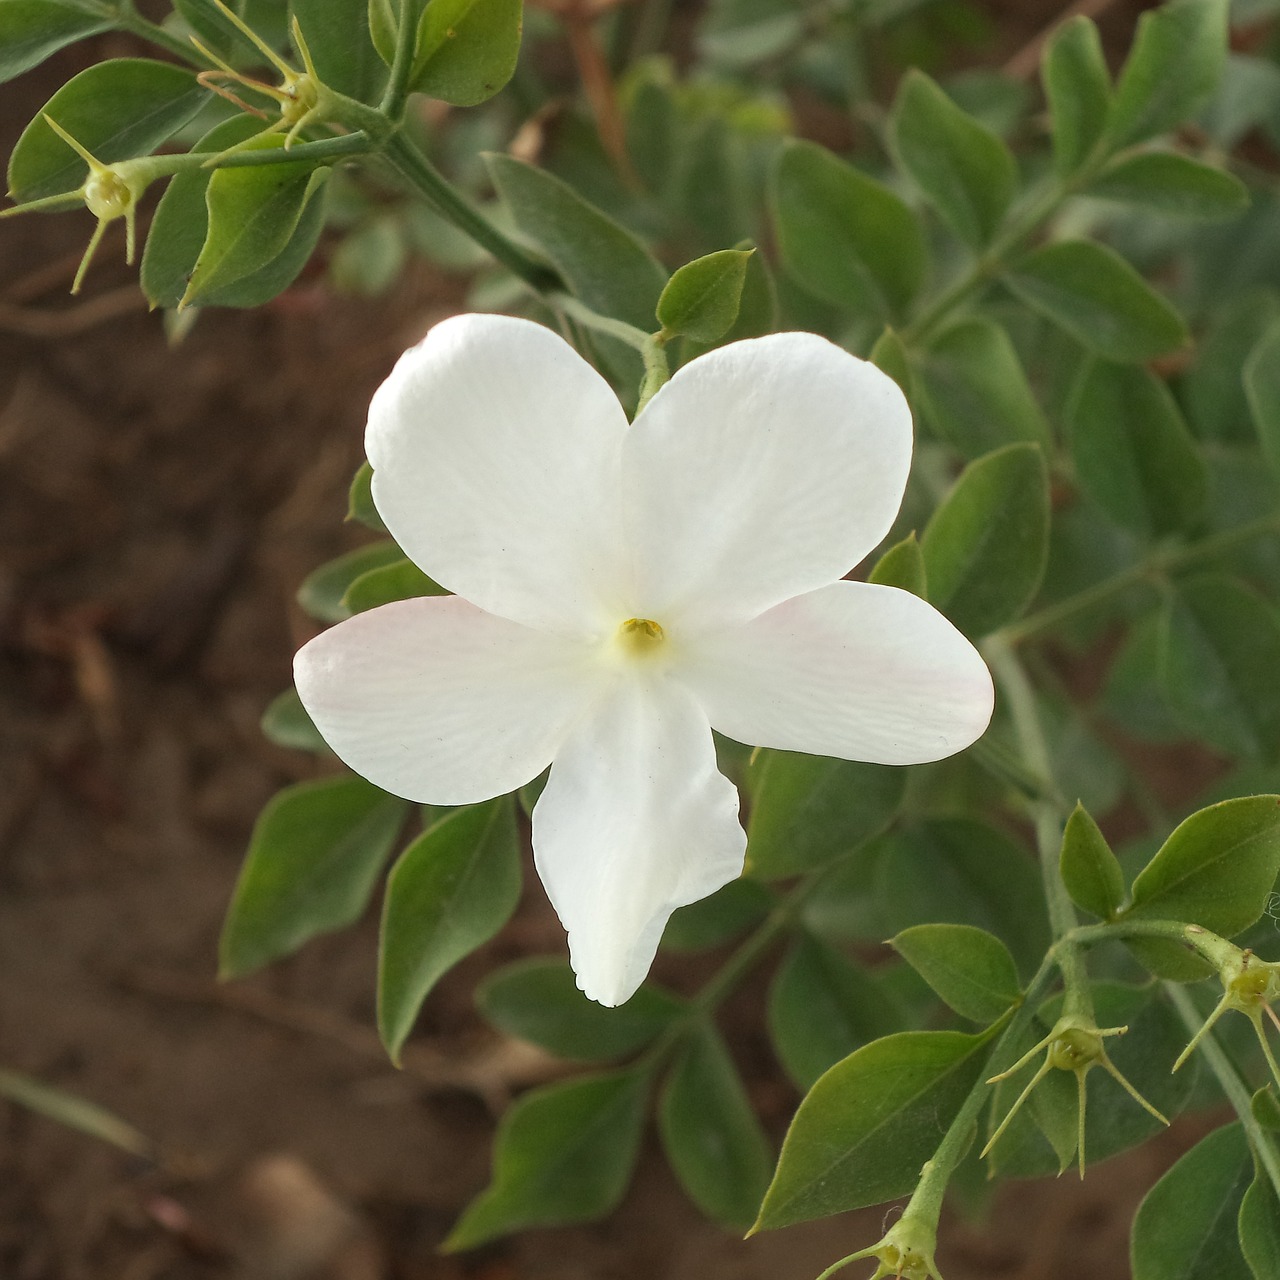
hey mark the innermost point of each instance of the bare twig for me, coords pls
(1024, 63)
(42, 323)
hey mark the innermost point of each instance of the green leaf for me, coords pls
(973, 391)
(728, 912)
(253, 213)
(399, 580)
(338, 39)
(360, 506)
(822, 1007)
(1078, 88)
(564, 1153)
(450, 891)
(538, 1000)
(116, 110)
(1132, 451)
(958, 871)
(807, 810)
(1218, 658)
(701, 299)
(180, 228)
(1215, 870)
(604, 265)
(1089, 869)
(74, 1112)
(1262, 387)
(1258, 1226)
(1169, 183)
(314, 856)
(1265, 1107)
(1098, 298)
(902, 566)
(866, 1127)
(31, 30)
(286, 723)
(324, 590)
(889, 355)
(844, 236)
(467, 49)
(963, 169)
(1186, 1227)
(710, 1133)
(970, 969)
(986, 545)
(1172, 70)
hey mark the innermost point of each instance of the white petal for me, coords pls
(761, 470)
(635, 821)
(495, 451)
(437, 701)
(852, 670)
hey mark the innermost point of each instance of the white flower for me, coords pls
(622, 589)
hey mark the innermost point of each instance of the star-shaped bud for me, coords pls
(905, 1253)
(1076, 1045)
(109, 192)
(302, 97)
(1251, 986)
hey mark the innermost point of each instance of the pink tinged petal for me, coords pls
(437, 701)
(495, 450)
(852, 670)
(635, 821)
(761, 470)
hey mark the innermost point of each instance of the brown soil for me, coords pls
(157, 510)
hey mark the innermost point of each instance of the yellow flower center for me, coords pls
(640, 637)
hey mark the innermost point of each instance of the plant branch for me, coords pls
(428, 182)
(1153, 566)
(1230, 1082)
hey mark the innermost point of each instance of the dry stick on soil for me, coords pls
(1024, 64)
(578, 18)
(40, 323)
(492, 1074)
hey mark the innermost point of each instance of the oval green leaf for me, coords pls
(986, 546)
(963, 169)
(399, 580)
(1172, 184)
(564, 1153)
(1133, 453)
(323, 591)
(701, 299)
(467, 49)
(711, 1135)
(116, 110)
(538, 1000)
(1186, 1227)
(866, 1127)
(807, 810)
(450, 891)
(313, 860)
(32, 30)
(1089, 869)
(1077, 85)
(822, 1007)
(845, 236)
(970, 969)
(1098, 298)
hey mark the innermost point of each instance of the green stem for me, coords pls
(657, 372)
(127, 18)
(423, 176)
(321, 151)
(397, 91)
(1229, 1081)
(635, 338)
(1153, 566)
(926, 1200)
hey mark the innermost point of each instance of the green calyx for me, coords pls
(1250, 986)
(1074, 1044)
(905, 1252)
